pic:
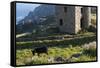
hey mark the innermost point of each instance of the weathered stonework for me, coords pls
(86, 17)
(71, 19)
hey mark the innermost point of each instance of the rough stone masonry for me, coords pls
(71, 19)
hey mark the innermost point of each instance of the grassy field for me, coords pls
(86, 38)
(83, 45)
(25, 57)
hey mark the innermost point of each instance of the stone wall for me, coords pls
(71, 19)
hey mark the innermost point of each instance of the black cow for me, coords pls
(40, 50)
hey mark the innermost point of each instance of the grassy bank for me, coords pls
(51, 43)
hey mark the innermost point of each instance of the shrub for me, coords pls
(90, 49)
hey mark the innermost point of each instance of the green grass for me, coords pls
(57, 48)
(58, 43)
(25, 57)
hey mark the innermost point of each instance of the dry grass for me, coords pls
(93, 19)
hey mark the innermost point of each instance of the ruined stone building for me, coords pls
(71, 19)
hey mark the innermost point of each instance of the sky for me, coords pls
(22, 10)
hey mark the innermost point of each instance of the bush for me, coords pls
(92, 28)
(90, 52)
(90, 49)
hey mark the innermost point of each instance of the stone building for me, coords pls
(71, 19)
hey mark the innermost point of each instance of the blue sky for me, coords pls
(22, 10)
